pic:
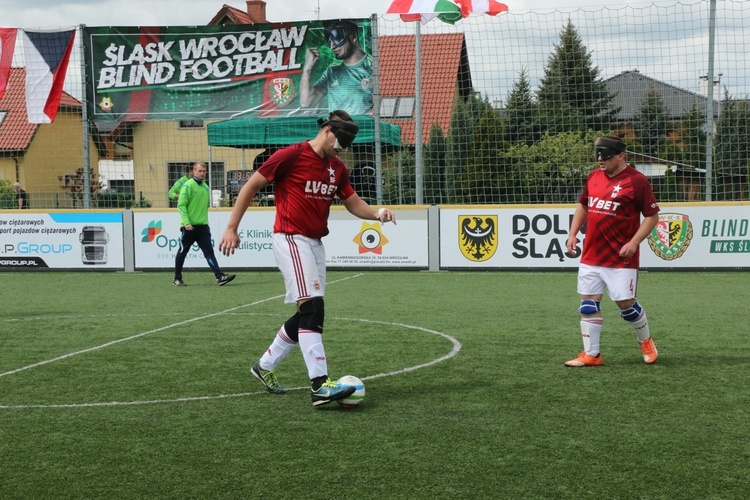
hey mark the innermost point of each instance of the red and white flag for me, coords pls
(46, 54)
(425, 10)
(7, 44)
(490, 7)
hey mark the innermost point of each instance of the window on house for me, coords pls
(405, 107)
(387, 107)
(3, 114)
(122, 186)
(190, 124)
(397, 107)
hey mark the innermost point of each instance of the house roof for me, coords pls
(631, 88)
(16, 132)
(231, 15)
(445, 71)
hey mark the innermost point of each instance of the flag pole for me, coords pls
(419, 170)
(84, 123)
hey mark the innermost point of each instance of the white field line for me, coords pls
(456, 348)
(161, 329)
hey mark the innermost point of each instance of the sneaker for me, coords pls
(267, 378)
(331, 391)
(224, 279)
(177, 282)
(584, 359)
(649, 351)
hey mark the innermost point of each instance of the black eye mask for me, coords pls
(345, 131)
(605, 154)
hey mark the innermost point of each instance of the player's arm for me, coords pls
(358, 207)
(647, 225)
(230, 240)
(182, 207)
(579, 219)
(174, 192)
(308, 94)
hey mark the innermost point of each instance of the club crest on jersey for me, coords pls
(281, 91)
(671, 237)
(477, 236)
(331, 175)
(616, 190)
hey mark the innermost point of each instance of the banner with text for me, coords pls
(686, 237)
(75, 240)
(352, 242)
(280, 69)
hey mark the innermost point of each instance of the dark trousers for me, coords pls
(202, 236)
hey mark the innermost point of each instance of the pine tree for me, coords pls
(435, 162)
(650, 124)
(571, 96)
(520, 117)
(732, 149)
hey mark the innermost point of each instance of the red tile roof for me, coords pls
(16, 132)
(445, 74)
(235, 16)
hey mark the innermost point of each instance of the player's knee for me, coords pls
(589, 307)
(291, 327)
(312, 315)
(632, 313)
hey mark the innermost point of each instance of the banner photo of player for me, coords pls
(266, 70)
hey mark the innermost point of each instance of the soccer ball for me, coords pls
(355, 399)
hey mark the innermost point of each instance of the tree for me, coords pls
(571, 94)
(460, 143)
(435, 163)
(554, 169)
(520, 117)
(693, 138)
(480, 179)
(732, 148)
(74, 185)
(650, 123)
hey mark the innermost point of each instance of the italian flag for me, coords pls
(426, 10)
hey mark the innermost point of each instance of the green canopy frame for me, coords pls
(282, 131)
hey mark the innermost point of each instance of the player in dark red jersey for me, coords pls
(613, 199)
(306, 178)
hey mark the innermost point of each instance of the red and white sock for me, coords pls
(311, 344)
(279, 349)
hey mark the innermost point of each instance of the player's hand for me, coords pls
(385, 215)
(230, 240)
(312, 55)
(188, 227)
(628, 249)
(571, 244)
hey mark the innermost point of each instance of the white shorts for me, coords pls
(620, 283)
(302, 262)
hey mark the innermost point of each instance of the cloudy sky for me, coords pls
(623, 35)
(59, 13)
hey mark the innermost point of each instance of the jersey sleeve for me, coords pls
(648, 204)
(279, 164)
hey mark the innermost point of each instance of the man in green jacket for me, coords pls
(193, 206)
(174, 192)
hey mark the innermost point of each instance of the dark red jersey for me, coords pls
(614, 205)
(304, 187)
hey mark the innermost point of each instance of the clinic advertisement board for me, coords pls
(61, 240)
(352, 242)
(157, 241)
(686, 236)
